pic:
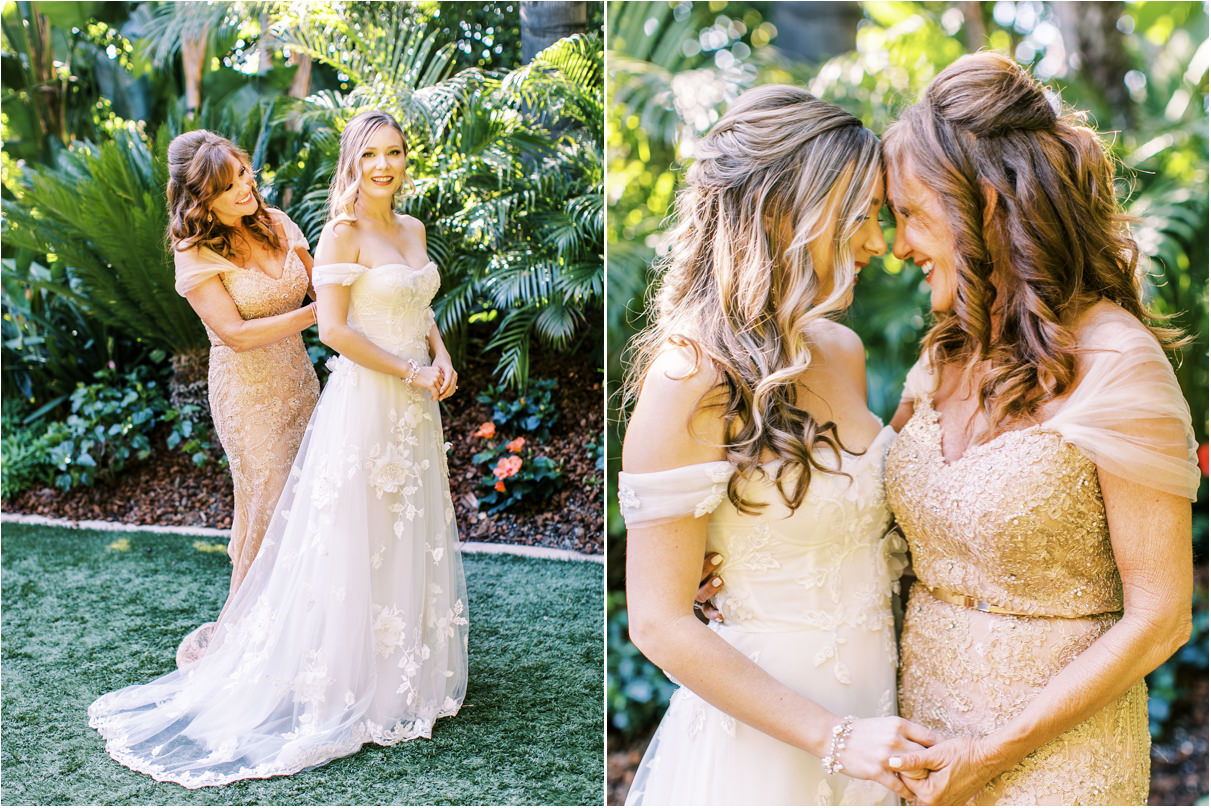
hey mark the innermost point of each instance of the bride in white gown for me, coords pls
(351, 626)
(750, 438)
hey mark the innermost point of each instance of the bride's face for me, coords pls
(383, 162)
(866, 243)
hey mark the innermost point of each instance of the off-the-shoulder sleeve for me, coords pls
(655, 497)
(1127, 413)
(294, 236)
(195, 266)
(336, 274)
(920, 380)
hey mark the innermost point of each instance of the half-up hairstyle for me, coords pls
(199, 170)
(780, 161)
(1055, 241)
(347, 179)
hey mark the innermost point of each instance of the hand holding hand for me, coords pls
(874, 741)
(958, 768)
(428, 378)
(449, 377)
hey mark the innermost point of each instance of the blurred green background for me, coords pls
(1139, 68)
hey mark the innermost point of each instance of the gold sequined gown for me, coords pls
(1019, 522)
(260, 399)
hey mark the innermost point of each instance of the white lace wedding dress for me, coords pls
(351, 626)
(807, 596)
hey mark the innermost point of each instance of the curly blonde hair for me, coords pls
(743, 300)
(199, 170)
(1055, 241)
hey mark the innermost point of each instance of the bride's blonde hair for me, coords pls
(744, 301)
(347, 179)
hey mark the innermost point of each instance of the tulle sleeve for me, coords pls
(1127, 413)
(336, 274)
(920, 380)
(294, 236)
(656, 497)
(196, 265)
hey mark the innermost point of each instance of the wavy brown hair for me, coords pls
(1054, 242)
(199, 170)
(742, 300)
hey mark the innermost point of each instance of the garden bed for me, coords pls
(167, 489)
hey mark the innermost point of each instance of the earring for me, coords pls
(209, 218)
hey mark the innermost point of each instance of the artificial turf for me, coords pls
(85, 612)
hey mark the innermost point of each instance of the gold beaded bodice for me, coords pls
(1018, 522)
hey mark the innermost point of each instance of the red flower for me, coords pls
(486, 430)
(507, 466)
(1202, 458)
(515, 445)
(500, 486)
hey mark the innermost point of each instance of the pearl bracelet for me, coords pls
(832, 761)
(413, 369)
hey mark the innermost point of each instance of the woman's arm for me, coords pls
(663, 567)
(1150, 535)
(216, 308)
(338, 245)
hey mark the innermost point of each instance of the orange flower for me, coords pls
(515, 445)
(486, 430)
(507, 466)
(500, 486)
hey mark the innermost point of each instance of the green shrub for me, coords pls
(110, 423)
(191, 432)
(534, 412)
(516, 474)
(24, 454)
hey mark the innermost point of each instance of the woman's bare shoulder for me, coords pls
(672, 424)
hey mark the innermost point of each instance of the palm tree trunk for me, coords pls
(545, 23)
(193, 56)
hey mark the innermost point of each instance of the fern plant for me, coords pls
(507, 166)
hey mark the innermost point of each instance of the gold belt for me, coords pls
(944, 594)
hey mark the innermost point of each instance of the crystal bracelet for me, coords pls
(413, 369)
(836, 745)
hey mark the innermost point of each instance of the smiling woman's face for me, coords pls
(383, 163)
(922, 233)
(238, 200)
(866, 242)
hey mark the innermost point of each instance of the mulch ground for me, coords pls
(167, 489)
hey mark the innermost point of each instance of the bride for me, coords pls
(351, 626)
(750, 438)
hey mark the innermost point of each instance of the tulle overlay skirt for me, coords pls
(700, 755)
(351, 626)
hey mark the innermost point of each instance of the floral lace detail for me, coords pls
(627, 497)
(1018, 521)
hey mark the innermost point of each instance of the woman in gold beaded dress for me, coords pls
(1044, 460)
(246, 270)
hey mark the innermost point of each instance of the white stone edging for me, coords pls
(549, 553)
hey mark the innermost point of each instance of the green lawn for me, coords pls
(85, 612)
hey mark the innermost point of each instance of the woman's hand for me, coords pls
(709, 585)
(428, 378)
(449, 376)
(958, 768)
(874, 742)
